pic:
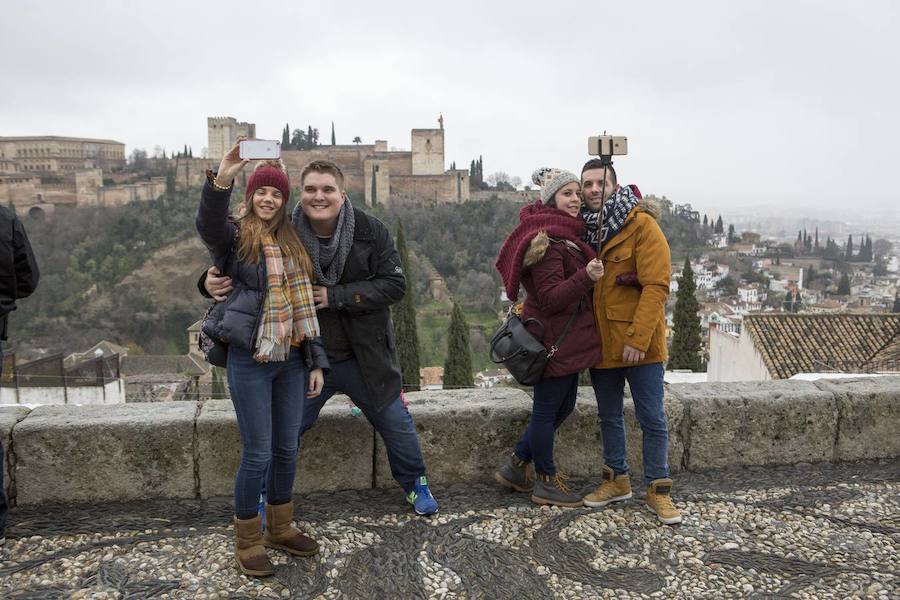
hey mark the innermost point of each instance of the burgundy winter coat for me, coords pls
(555, 279)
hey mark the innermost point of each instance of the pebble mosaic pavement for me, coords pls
(805, 531)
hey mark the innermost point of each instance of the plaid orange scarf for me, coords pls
(289, 311)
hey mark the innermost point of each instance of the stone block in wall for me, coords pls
(579, 449)
(113, 452)
(757, 423)
(869, 417)
(464, 434)
(335, 454)
(9, 416)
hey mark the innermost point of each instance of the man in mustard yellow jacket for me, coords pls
(629, 307)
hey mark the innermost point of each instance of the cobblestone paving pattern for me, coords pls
(808, 531)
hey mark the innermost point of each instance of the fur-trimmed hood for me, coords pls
(651, 206)
(536, 249)
(539, 246)
(538, 223)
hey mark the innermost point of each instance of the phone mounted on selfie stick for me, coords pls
(605, 147)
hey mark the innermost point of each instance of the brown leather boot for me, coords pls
(281, 533)
(249, 550)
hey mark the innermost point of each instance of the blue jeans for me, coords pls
(393, 422)
(646, 383)
(268, 400)
(554, 401)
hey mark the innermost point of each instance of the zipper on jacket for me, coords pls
(262, 307)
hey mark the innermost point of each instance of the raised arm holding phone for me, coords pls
(269, 323)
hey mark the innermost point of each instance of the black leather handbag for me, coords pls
(523, 355)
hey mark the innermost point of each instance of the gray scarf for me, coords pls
(327, 259)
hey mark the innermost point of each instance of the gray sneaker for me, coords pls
(514, 474)
(552, 489)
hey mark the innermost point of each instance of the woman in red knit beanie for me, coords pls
(269, 323)
(545, 254)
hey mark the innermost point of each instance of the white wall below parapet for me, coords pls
(112, 392)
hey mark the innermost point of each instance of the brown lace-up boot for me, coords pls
(514, 475)
(552, 489)
(281, 533)
(249, 550)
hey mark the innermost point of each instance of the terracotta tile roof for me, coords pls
(813, 343)
(431, 375)
(887, 356)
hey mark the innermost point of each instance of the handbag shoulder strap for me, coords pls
(565, 331)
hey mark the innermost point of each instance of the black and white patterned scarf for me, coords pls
(327, 259)
(601, 226)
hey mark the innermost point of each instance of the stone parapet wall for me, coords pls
(189, 449)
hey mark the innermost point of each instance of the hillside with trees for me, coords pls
(129, 274)
(125, 274)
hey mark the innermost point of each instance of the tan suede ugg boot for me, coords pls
(249, 550)
(281, 533)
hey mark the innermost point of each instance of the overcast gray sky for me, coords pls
(726, 105)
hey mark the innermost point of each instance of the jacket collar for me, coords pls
(626, 232)
(363, 229)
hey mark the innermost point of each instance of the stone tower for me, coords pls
(427, 151)
(221, 133)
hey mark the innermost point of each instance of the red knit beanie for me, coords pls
(268, 175)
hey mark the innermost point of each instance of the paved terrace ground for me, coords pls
(803, 531)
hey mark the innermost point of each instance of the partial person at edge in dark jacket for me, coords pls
(358, 276)
(558, 270)
(18, 279)
(265, 321)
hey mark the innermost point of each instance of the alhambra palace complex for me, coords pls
(39, 173)
(371, 170)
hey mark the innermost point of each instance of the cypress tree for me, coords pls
(458, 367)
(705, 221)
(849, 251)
(405, 330)
(720, 226)
(333, 143)
(686, 336)
(896, 308)
(286, 138)
(170, 184)
(732, 236)
(844, 285)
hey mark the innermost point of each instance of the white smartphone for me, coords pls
(260, 149)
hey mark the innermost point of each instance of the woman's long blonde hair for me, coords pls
(253, 230)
